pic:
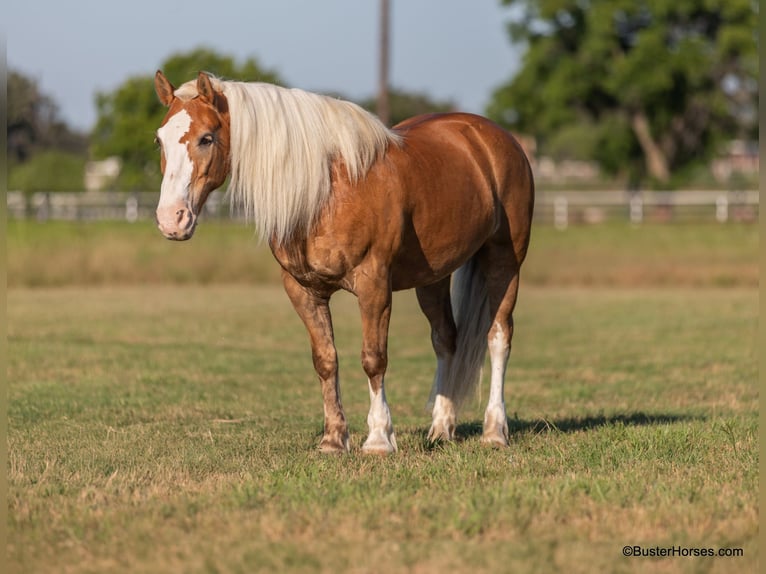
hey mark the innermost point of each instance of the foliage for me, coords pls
(33, 122)
(404, 105)
(44, 153)
(129, 115)
(658, 83)
(48, 171)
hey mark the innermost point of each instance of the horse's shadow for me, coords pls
(517, 426)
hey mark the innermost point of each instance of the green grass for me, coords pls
(173, 429)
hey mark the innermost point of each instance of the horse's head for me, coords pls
(194, 148)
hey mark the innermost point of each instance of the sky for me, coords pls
(455, 50)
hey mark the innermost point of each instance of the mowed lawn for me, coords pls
(173, 427)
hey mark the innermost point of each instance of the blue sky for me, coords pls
(451, 49)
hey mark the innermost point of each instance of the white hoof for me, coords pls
(443, 428)
(380, 442)
(495, 428)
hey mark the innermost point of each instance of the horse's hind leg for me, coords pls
(435, 302)
(502, 276)
(315, 313)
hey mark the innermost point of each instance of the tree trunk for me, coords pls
(656, 162)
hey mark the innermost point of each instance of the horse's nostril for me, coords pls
(181, 213)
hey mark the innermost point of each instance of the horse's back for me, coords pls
(462, 177)
(476, 144)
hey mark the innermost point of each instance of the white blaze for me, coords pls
(178, 164)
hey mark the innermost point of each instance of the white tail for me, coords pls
(471, 311)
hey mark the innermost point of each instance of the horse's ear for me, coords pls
(205, 88)
(164, 88)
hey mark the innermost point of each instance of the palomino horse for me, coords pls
(346, 203)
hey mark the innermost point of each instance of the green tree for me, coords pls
(50, 170)
(33, 122)
(129, 115)
(405, 104)
(655, 84)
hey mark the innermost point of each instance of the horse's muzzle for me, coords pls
(177, 224)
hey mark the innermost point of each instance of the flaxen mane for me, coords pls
(282, 143)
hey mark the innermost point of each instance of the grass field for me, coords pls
(56, 254)
(172, 427)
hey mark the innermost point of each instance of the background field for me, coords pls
(615, 254)
(163, 413)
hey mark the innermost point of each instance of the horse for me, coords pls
(441, 203)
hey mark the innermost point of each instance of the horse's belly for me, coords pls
(405, 278)
(413, 271)
(425, 257)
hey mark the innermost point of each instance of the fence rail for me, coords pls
(101, 205)
(574, 207)
(559, 208)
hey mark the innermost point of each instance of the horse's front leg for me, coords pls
(314, 311)
(375, 306)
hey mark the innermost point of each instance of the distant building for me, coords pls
(567, 170)
(101, 174)
(529, 145)
(739, 157)
(545, 168)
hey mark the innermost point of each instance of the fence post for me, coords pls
(213, 204)
(722, 209)
(560, 212)
(131, 209)
(636, 209)
(44, 208)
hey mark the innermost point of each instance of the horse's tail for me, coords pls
(470, 308)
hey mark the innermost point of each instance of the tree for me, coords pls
(129, 115)
(33, 122)
(403, 105)
(50, 170)
(656, 83)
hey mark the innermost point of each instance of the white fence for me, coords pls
(559, 208)
(96, 205)
(575, 207)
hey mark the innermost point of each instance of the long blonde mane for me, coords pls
(283, 142)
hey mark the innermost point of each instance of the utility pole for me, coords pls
(384, 111)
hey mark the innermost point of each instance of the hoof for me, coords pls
(496, 434)
(442, 430)
(495, 428)
(494, 440)
(334, 445)
(380, 443)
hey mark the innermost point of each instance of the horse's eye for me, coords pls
(206, 140)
